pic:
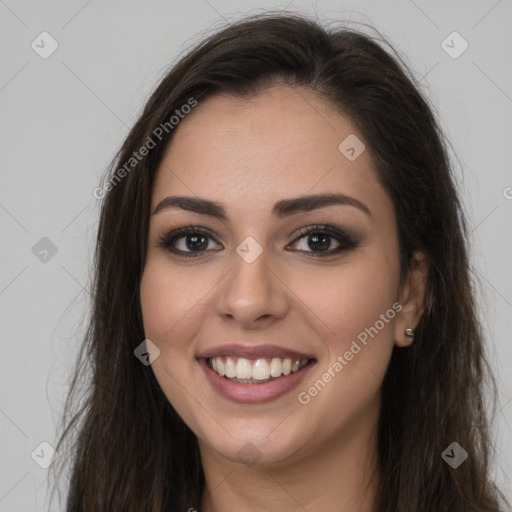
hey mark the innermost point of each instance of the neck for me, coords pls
(342, 475)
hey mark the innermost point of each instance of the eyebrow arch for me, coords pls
(280, 209)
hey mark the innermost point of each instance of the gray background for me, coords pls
(64, 117)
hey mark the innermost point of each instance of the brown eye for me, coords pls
(195, 241)
(318, 240)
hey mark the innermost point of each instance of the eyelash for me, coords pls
(347, 239)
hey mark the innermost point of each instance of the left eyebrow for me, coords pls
(281, 209)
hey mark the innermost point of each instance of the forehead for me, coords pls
(251, 152)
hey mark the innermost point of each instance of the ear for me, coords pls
(411, 298)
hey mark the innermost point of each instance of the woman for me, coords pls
(283, 316)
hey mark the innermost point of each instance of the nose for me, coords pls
(253, 294)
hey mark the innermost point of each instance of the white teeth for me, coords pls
(221, 367)
(259, 369)
(243, 369)
(230, 368)
(276, 368)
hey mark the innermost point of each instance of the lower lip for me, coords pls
(254, 393)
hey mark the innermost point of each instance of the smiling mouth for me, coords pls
(255, 371)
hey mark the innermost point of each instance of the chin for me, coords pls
(255, 444)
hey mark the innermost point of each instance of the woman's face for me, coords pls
(261, 285)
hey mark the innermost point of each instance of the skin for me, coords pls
(247, 154)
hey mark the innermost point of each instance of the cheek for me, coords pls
(351, 297)
(167, 312)
(169, 307)
(169, 300)
(352, 307)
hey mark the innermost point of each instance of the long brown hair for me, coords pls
(129, 449)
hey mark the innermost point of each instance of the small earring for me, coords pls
(410, 334)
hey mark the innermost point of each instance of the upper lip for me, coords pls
(253, 352)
